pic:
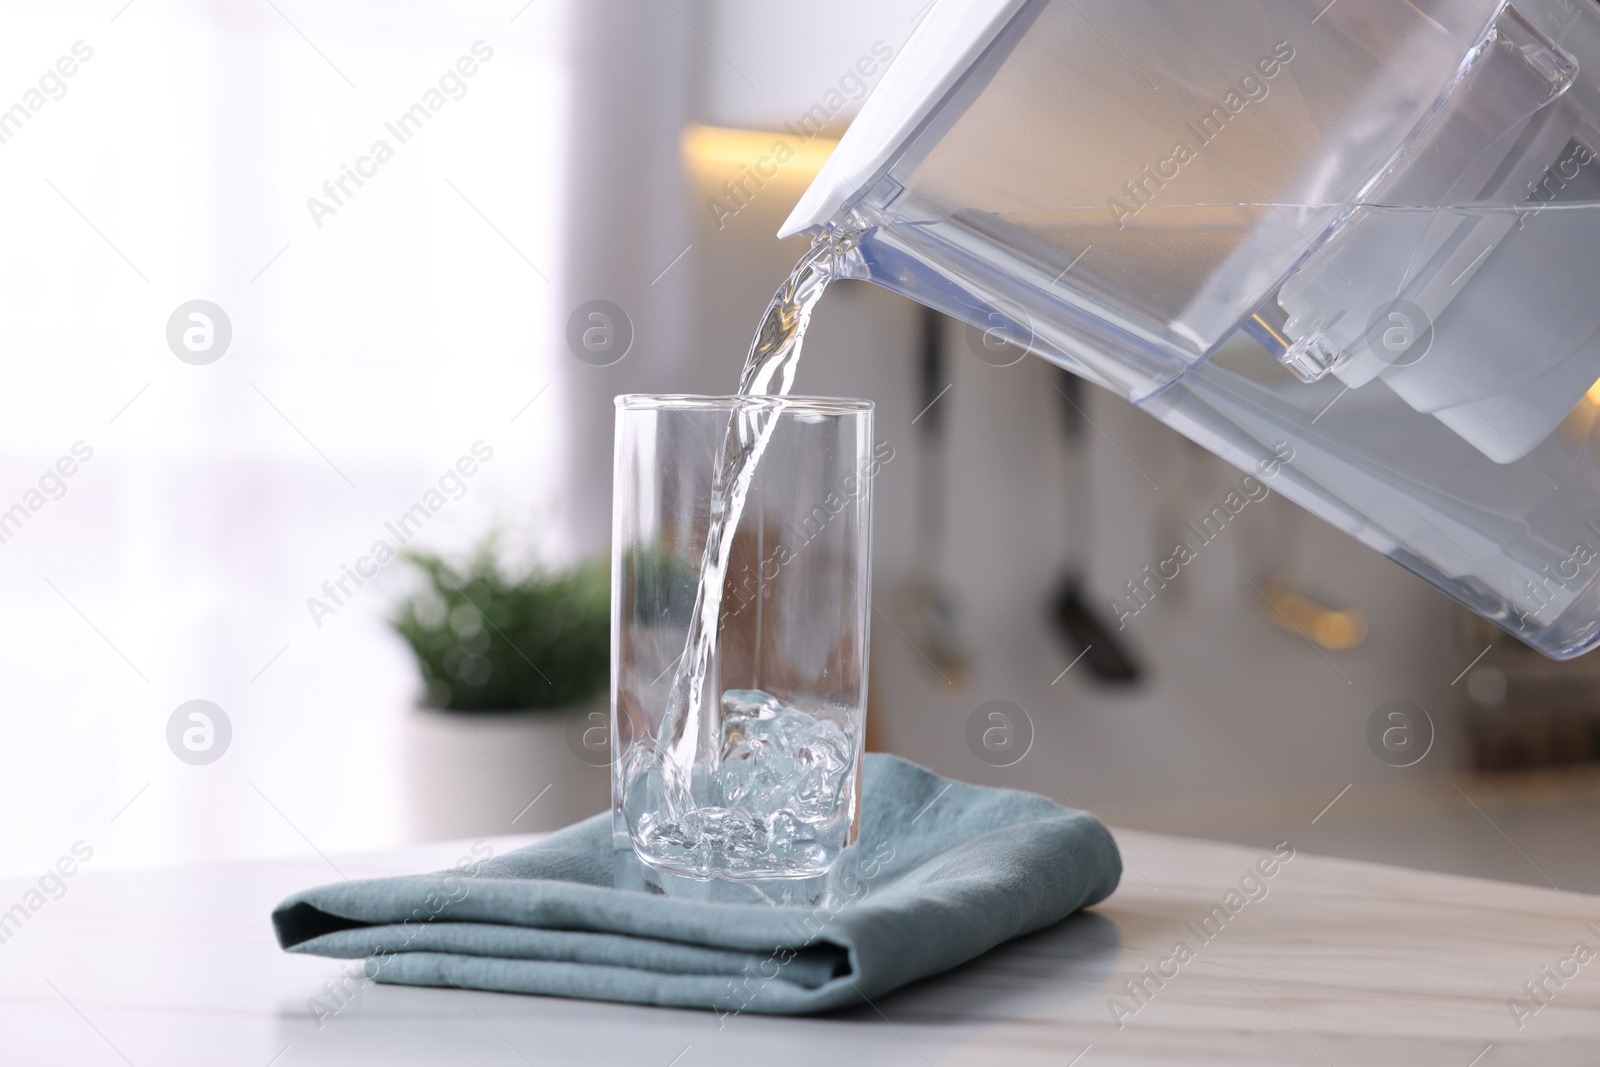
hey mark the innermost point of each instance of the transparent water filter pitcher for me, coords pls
(1363, 235)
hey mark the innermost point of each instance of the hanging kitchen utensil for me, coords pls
(1106, 657)
(930, 609)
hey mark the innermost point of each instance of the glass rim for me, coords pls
(806, 405)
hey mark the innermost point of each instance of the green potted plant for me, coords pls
(514, 665)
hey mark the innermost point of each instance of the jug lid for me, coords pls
(938, 54)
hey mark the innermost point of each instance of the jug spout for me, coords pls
(1361, 233)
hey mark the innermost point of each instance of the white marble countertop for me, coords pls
(1337, 963)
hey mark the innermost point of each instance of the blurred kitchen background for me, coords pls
(625, 152)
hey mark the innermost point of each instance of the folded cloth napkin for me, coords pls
(946, 871)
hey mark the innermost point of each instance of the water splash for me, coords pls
(781, 789)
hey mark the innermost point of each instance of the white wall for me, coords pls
(764, 64)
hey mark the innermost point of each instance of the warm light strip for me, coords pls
(730, 149)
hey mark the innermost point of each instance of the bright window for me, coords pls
(377, 333)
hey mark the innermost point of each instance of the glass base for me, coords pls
(839, 883)
(805, 861)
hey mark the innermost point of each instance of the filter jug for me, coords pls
(1353, 243)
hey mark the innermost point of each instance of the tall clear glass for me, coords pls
(776, 774)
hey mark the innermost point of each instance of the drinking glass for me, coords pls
(774, 789)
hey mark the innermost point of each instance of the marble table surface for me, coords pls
(1324, 962)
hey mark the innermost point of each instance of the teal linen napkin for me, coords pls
(946, 871)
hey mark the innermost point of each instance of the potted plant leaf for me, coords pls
(509, 733)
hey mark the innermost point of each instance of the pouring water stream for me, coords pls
(769, 371)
